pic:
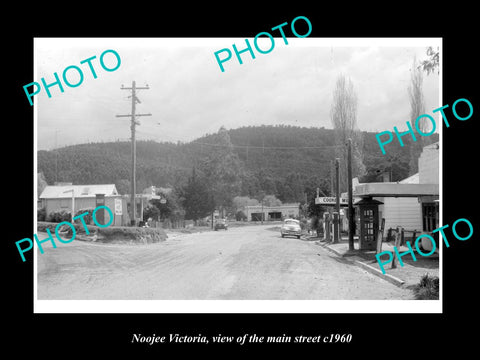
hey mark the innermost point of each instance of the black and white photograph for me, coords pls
(221, 182)
(222, 179)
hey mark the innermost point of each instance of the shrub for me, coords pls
(41, 214)
(303, 224)
(202, 222)
(87, 218)
(114, 234)
(240, 216)
(59, 216)
(131, 234)
(151, 211)
(427, 288)
(79, 228)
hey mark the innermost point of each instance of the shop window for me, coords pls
(429, 214)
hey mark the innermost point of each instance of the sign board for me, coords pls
(100, 215)
(118, 206)
(330, 201)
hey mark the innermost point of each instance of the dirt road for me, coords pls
(251, 262)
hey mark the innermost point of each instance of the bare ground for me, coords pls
(241, 263)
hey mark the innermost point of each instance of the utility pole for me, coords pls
(336, 215)
(305, 206)
(133, 123)
(332, 169)
(262, 212)
(56, 157)
(262, 193)
(263, 152)
(351, 223)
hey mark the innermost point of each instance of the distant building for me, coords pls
(254, 212)
(154, 189)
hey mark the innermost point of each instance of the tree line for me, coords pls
(286, 162)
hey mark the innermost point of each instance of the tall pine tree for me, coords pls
(343, 114)
(224, 170)
(196, 198)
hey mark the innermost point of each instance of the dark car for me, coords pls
(221, 224)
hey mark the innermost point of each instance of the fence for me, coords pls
(170, 224)
(409, 235)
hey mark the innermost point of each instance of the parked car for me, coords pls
(221, 224)
(291, 227)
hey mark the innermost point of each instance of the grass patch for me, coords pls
(427, 288)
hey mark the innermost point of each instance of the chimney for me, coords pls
(386, 176)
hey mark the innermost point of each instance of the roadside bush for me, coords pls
(41, 214)
(131, 234)
(151, 211)
(202, 222)
(303, 224)
(113, 234)
(240, 216)
(79, 228)
(59, 216)
(87, 218)
(427, 288)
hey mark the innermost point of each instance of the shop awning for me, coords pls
(382, 189)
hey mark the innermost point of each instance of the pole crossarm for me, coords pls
(136, 88)
(130, 115)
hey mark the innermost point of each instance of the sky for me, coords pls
(189, 96)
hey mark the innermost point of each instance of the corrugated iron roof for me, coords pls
(64, 191)
(395, 190)
(414, 179)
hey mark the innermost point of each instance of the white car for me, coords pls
(291, 227)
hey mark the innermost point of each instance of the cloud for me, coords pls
(189, 96)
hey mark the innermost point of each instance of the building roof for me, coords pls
(414, 179)
(153, 190)
(64, 191)
(395, 190)
(265, 207)
(368, 201)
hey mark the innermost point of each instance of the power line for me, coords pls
(267, 147)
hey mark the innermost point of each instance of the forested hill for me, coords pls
(281, 160)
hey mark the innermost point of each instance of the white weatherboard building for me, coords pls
(413, 202)
(402, 211)
(55, 198)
